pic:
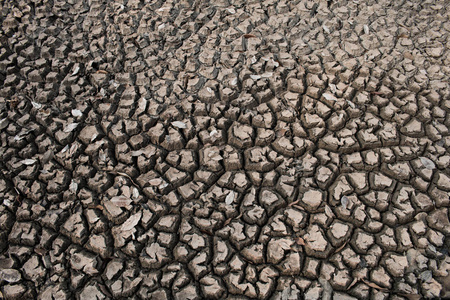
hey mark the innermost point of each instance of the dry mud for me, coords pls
(224, 149)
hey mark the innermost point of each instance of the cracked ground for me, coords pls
(224, 149)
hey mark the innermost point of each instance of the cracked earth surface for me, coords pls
(224, 149)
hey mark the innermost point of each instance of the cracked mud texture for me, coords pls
(224, 149)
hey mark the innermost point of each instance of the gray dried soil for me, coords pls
(224, 149)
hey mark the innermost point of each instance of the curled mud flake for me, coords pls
(229, 198)
(76, 113)
(329, 97)
(333, 88)
(351, 104)
(179, 124)
(214, 155)
(121, 201)
(4, 123)
(366, 29)
(344, 201)
(426, 276)
(72, 150)
(73, 187)
(329, 212)
(155, 182)
(137, 152)
(102, 156)
(135, 193)
(36, 105)
(427, 163)
(432, 248)
(76, 70)
(164, 8)
(231, 10)
(28, 161)
(163, 185)
(70, 127)
(126, 190)
(142, 104)
(94, 136)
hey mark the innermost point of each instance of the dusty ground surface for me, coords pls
(232, 149)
